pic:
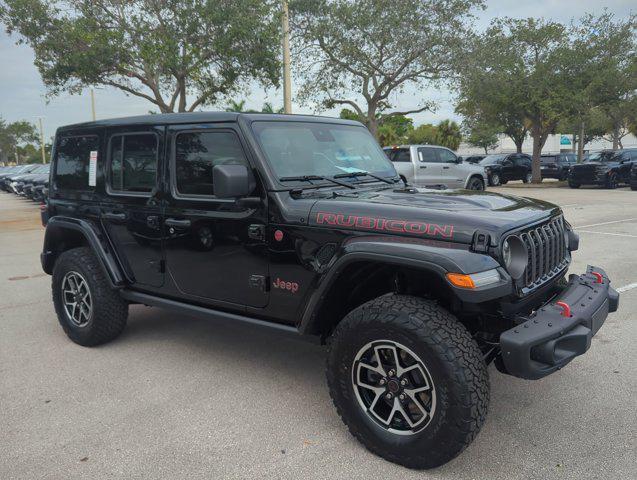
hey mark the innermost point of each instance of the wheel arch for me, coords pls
(65, 233)
(359, 276)
(478, 176)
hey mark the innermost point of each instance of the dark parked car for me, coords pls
(557, 165)
(34, 186)
(504, 167)
(633, 176)
(7, 178)
(607, 168)
(473, 158)
(17, 183)
(302, 224)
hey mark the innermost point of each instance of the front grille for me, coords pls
(547, 252)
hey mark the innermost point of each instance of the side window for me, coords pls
(133, 162)
(446, 156)
(196, 153)
(400, 155)
(427, 155)
(72, 158)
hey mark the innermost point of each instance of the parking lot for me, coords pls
(179, 397)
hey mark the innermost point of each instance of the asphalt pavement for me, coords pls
(178, 397)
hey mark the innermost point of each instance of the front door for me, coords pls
(449, 167)
(428, 168)
(508, 169)
(215, 248)
(131, 210)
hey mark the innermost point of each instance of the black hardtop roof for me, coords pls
(201, 117)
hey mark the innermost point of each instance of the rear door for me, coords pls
(428, 167)
(131, 211)
(401, 159)
(509, 168)
(215, 248)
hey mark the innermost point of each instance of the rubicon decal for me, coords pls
(283, 285)
(385, 224)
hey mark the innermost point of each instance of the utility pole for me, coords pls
(93, 103)
(287, 87)
(42, 140)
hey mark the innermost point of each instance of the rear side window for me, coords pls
(133, 162)
(72, 161)
(548, 159)
(196, 153)
(399, 155)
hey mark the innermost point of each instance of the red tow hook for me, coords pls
(566, 309)
(598, 276)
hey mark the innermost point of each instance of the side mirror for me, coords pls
(231, 181)
(459, 160)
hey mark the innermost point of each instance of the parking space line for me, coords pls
(625, 288)
(608, 233)
(605, 223)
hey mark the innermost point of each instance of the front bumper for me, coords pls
(552, 337)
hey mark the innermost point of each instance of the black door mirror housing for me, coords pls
(231, 181)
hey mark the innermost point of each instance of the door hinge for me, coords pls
(259, 281)
(256, 231)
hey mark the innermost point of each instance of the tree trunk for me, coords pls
(615, 138)
(580, 145)
(573, 142)
(372, 122)
(539, 137)
(518, 145)
(486, 151)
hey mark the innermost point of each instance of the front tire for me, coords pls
(408, 380)
(573, 184)
(88, 309)
(475, 184)
(528, 178)
(494, 179)
(612, 181)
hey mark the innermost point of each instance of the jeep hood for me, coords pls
(452, 215)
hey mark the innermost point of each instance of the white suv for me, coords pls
(431, 165)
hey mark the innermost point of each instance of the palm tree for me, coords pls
(268, 108)
(236, 106)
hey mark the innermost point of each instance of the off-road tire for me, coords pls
(573, 184)
(109, 310)
(495, 180)
(453, 359)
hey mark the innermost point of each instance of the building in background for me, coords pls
(554, 143)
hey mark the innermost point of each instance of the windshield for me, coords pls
(296, 149)
(492, 159)
(605, 156)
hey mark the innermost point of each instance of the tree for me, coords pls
(375, 48)
(425, 134)
(14, 135)
(448, 134)
(269, 108)
(236, 106)
(481, 135)
(531, 58)
(177, 55)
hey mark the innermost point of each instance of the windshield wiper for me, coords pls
(310, 178)
(362, 173)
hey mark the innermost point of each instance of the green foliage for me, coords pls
(348, 114)
(449, 134)
(376, 48)
(483, 135)
(425, 134)
(179, 55)
(239, 106)
(13, 136)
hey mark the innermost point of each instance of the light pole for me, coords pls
(42, 140)
(93, 103)
(287, 87)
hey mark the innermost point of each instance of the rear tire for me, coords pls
(611, 181)
(88, 309)
(395, 329)
(573, 184)
(528, 178)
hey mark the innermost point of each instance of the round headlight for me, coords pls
(514, 256)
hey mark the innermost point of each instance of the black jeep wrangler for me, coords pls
(302, 224)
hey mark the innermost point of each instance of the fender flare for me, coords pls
(432, 256)
(483, 178)
(54, 235)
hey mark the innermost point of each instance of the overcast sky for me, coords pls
(22, 93)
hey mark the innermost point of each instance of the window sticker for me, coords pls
(92, 169)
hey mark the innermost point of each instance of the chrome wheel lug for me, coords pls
(391, 373)
(382, 381)
(401, 396)
(403, 382)
(389, 396)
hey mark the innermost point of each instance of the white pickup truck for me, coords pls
(430, 165)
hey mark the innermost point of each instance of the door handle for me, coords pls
(445, 168)
(422, 166)
(115, 217)
(173, 222)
